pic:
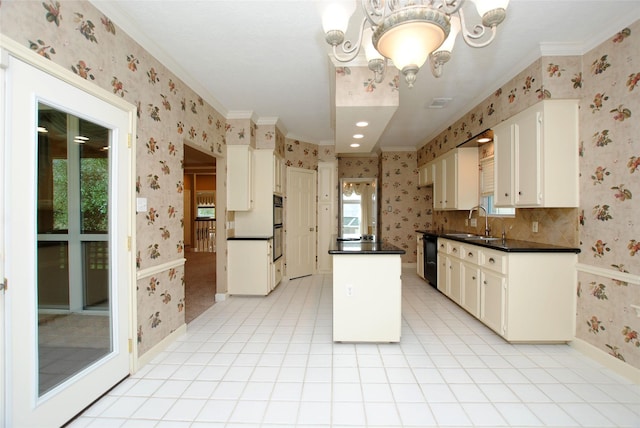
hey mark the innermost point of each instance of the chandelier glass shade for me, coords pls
(409, 32)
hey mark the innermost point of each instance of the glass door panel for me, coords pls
(73, 246)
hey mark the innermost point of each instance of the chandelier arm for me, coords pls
(478, 32)
(350, 50)
(450, 6)
(373, 8)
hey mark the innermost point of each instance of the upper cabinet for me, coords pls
(425, 174)
(455, 180)
(258, 221)
(536, 155)
(239, 178)
(278, 174)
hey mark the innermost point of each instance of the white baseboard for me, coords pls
(612, 363)
(220, 297)
(158, 348)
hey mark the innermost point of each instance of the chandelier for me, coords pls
(408, 32)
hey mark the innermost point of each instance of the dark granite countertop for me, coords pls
(507, 245)
(363, 247)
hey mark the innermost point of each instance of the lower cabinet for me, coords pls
(420, 255)
(470, 280)
(251, 269)
(522, 296)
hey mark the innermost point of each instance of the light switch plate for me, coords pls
(141, 205)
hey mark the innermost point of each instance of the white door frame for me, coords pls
(9, 48)
(3, 63)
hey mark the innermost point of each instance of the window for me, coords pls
(486, 189)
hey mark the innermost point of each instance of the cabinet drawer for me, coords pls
(442, 245)
(470, 253)
(454, 249)
(493, 260)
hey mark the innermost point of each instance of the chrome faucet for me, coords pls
(487, 231)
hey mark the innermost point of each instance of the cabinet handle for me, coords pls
(491, 260)
(484, 282)
(473, 277)
(506, 194)
(455, 250)
(519, 193)
(470, 254)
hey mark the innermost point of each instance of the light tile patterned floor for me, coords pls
(250, 362)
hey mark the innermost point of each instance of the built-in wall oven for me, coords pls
(277, 227)
(430, 242)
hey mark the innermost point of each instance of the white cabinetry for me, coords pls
(522, 296)
(420, 255)
(278, 174)
(367, 297)
(251, 268)
(258, 221)
(239, 178)
(455, 181)
(327, 213)
(536, 155)
(425, 174)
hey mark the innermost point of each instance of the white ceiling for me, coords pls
(270, 57)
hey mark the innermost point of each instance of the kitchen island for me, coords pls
(367, 291)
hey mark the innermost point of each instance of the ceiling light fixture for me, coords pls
(408, 32)
(362, 124)
(354, 145)
(358, 136)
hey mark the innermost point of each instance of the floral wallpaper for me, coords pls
(358, 167)
(405, 208)
(605, 227)
(299, 154)
(78, 37)
(609, 185)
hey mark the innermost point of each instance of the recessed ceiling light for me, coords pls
(354, 145)
(484, 140)
(362, 124)
(358, 136)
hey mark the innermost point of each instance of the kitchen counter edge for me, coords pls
(508, 245)
(363, 247)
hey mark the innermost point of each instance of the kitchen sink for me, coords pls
(463, 235)
(483, 238)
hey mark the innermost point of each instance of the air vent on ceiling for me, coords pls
(439, 102)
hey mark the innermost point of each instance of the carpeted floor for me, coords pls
(200, 283)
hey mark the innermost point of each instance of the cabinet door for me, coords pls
(278, 168)
(420, 255)
(249, 267)
(455, 284)
(239, 177)
(470, 275)
(451, 181)
(443, 274)
(504, 164)
(439, 185)
(528, 158)
(492, 301)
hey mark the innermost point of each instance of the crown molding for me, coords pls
(242, 114)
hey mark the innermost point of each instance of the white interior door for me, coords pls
(301, 222)
(67, 208)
